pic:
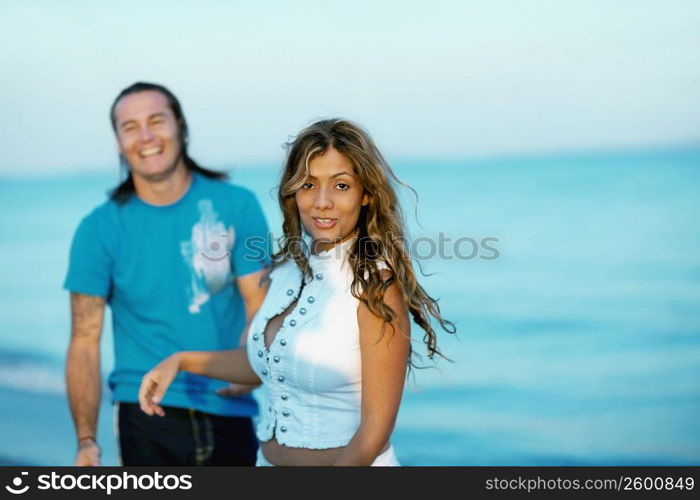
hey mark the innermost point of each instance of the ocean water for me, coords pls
(578, 345)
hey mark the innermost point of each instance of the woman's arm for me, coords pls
(230, 365)
(384, 364)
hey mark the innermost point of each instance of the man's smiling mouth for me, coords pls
(150, 152)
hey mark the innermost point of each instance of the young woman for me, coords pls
(331, 342)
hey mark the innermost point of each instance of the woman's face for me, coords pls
(330, 200)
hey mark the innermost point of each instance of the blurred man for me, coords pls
(172, 253)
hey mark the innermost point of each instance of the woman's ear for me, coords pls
(365, 199)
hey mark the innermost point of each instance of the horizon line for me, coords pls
(267, 164)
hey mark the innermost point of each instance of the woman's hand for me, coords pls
(156, 382)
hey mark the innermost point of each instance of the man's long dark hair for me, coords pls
(125, 189)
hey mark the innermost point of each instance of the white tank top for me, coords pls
(311, 374)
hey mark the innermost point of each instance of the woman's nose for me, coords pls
(323, 200)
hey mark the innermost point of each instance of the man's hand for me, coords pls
(233, 390)
(88, 453)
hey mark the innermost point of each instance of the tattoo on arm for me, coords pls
(83, 362)
(87, 312)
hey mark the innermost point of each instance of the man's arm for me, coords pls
(253, 295)
(83, 373)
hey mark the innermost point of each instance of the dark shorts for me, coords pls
(184, 437)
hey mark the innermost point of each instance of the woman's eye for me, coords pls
(307, 185)
(342, 186)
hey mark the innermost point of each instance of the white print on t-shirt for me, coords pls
(207, 256)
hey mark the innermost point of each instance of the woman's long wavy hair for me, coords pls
(380, 227)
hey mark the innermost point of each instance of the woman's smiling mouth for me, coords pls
(324, 222)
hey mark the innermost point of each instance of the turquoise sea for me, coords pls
(578, 345)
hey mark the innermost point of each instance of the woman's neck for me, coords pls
(318, 246)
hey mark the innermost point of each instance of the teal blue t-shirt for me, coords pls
(168, 273)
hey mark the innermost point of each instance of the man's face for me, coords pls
(148, 135)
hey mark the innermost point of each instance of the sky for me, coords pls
(437, 79)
